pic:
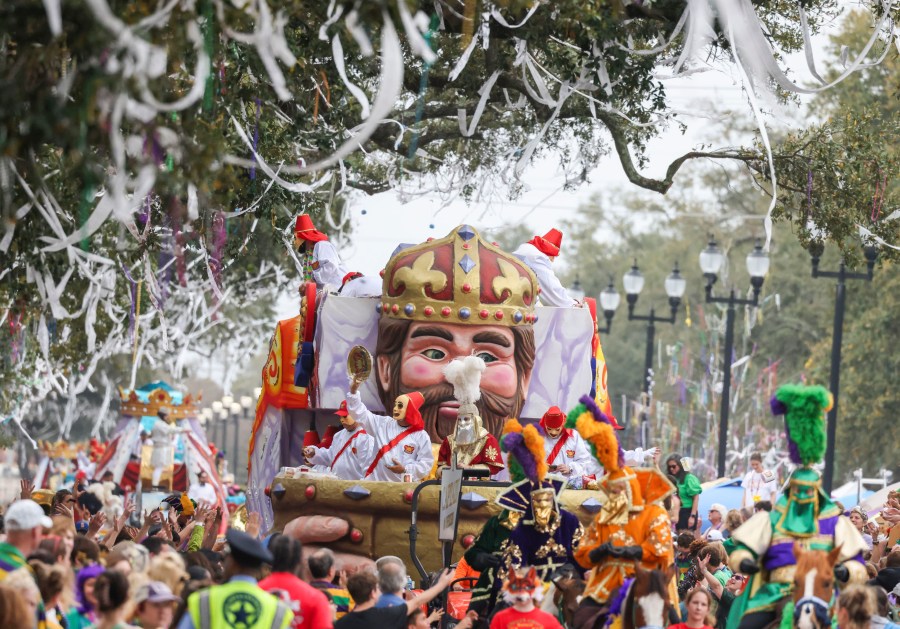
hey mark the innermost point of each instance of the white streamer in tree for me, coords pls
(337, 50)
(485, 92)
(388, 91)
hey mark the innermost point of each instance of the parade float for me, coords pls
(463, 291)
(158, 442)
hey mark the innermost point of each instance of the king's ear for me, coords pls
(383, 364)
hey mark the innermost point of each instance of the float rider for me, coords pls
(471, 443)
(547, 535)
(632, 527)
(402, 448)
(764, 544)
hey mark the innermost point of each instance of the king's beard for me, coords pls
(493, 409)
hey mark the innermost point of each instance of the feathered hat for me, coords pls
(527, 466)
(592, 424)
(803, 408)
(465, 376)
(596, 428)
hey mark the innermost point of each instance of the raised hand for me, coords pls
(703, 562)
(97, 522)
(65, 511)
(445, 579)
(173, 519)
(26, 488)
(126, 514)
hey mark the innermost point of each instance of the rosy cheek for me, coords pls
(417, 371)
(500, 378)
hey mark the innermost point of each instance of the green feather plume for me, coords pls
(572, 419)
(805, 407)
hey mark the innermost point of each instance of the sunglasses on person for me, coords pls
(672, 466)
(737, 577)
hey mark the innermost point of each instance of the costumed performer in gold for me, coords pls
(632, 526)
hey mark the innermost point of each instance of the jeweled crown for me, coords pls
(460, 278)
(157, 399)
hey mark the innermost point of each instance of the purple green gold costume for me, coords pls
(805, 515)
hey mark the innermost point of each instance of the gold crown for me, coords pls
(59, 449)
(460, 278)
(157, 399)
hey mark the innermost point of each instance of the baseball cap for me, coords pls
(714, 536)
(154, 592)
(23, 515)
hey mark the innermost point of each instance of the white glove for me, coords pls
(649, 453)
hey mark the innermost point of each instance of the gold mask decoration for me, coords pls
(542, 506)
(512, 520)
(615, 508)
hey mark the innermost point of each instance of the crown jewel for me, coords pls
(460, 278)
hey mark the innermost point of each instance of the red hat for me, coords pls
(310, 438)
(413, 416)
(554, 418)
(548, 244)
(330, 432)
(305, 230)
(342, 410)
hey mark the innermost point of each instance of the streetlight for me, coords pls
(837, 334)
(711, 260)
(609, 302)
(575, 291)
(223, 421)
(216, 409)
(207, 420)
(235, 409)
(634, 284)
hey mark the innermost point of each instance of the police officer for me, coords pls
(239, 603)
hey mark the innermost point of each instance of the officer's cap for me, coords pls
(245, 550)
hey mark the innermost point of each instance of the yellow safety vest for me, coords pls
(238, 605)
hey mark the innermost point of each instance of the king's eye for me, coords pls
(434, 354)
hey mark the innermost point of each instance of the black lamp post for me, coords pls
(609, 302)
(837, 334)
(711, 260)
(219, 414)
(634, 283)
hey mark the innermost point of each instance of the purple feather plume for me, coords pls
(600, 416)
(617, 604)
(514, 443)
(793, 450)
(777, 406)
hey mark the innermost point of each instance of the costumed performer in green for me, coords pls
(764, 544)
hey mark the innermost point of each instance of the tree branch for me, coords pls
(617, 129)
